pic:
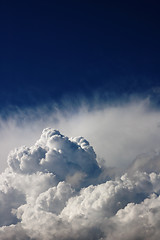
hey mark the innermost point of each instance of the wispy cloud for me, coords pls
(117, 132)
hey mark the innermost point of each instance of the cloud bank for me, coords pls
(58, 189)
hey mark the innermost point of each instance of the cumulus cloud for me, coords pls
(55, 153)
(54, 189)
(140, 221)
(102, 186)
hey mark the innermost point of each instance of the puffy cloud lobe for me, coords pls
(140, 221)
(15, 232)
(55, 198)
(52, 190)
(56, 153)
(92, 213)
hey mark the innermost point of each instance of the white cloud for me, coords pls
(56, 189)
(56, 154)
(140, 221)
(118, 133)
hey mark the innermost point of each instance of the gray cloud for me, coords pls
(146, 162)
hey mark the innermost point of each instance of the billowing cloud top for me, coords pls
(66, 158)
(56, 190)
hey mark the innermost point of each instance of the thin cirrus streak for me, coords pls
(59, 189)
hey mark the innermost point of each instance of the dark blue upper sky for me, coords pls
(52, 49)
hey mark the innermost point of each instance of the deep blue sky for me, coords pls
(52, 49)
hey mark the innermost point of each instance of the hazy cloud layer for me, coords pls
(55, 189)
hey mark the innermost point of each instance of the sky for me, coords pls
(56, 49)
(79, 120)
